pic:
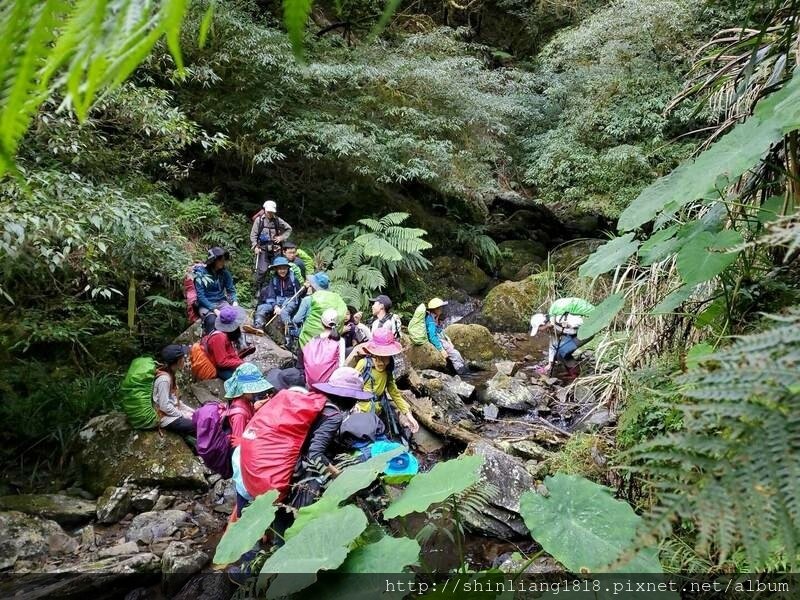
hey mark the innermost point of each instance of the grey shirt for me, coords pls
(166, 402)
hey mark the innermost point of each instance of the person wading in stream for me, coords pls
(439, 339)
(563, 320)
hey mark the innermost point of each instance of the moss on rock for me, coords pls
(460, 274)
(508, 307)
(65, 510)
(424, 356)
(519, 253)
(476, 344)
(111, 452)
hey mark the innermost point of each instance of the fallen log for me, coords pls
(423, 410)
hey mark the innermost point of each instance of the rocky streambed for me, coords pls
(146, 515)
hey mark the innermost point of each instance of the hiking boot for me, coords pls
(253, 330)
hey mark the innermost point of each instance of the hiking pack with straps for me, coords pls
(321, 300)
(136, 393)
(573, 306)
(200, 360)
(190, 293)
(211, 422)
(321, 357)
(386, 406)
(417, 330)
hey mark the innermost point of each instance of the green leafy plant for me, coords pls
(242, 535)
(478, 245)
(361, 258)
(585, 528)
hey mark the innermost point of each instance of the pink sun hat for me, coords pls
(383, 344)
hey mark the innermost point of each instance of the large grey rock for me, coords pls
(500, 517)
(568, 257)
(422, 357)
(179, 562)
(598, 419)
(203, 392)
(125, 549)
(458, 273)
(150, 526)
(122, 564)
(509, 306)
(427, 441)
(113, 505)
(25, 537)
(269, 355)
(543, 564)
(144, 500)
(111, 452)
(519, 253)
(441, 389)
(66, 510)
(513, 393)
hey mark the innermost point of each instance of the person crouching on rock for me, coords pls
(563, 319)
(374, 360)
(173, 414)
(439, 339)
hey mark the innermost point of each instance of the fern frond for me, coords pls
(396, 218)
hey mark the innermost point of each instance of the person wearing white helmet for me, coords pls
(266, 236)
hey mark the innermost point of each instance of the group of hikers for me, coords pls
(294, 429)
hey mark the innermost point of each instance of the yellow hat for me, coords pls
(436, 303)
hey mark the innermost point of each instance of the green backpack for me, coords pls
(416, 326)
(321, 301)
(137, 393)
(573, 306)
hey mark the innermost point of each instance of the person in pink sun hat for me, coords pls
(374, 360)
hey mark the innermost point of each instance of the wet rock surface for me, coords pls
(113, 505)
(514, 393)
(63, 509)
(111, 453)
(151, 526)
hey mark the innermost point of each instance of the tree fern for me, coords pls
(733, 470)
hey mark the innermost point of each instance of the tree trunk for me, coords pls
(131, 304)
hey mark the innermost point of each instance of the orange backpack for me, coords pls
(202, 367)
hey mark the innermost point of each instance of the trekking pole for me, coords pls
(287, 302)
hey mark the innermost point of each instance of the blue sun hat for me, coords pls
(246, 379)
(401, 468)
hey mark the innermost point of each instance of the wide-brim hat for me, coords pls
(345, 381)
(383, 344)
(283, 379)
(246, 379)
(280, 261)
(404, 464)
(230, 319)
(436, 303)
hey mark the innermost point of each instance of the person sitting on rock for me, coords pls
(214, 283)
(563, 319)
(439, 339)
(222, 342)
(278, 297)
(383, 317)
(245, 391)
(290, 253)
(354, 332)
(266, 235)
(374, 360)
(173, 414)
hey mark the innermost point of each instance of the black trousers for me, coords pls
(182, 426)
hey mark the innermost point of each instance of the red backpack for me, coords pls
(190, 294)
(213, 436)
(273, 439)
(321, 357)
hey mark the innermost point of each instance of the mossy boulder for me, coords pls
(25, 537)
(476, 344)
(66, 510)
(509, 306)
(424, 356)
(111, 452)
(519, 253)
(460, 274)
(568, 257)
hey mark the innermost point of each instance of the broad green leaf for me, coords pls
(697, 353)
(389, 555)
(323, 546)
(351, 480)
(584, 528)
(609, 255)
(673, 300)
(245, 533)
(704, 256)
(295, 17)
(723, 162)
(601, 316)
(388, 11)
(659, 246)
(771, 209)
(438, 484)
(712, 315)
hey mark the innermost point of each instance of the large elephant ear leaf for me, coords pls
(707, 255)
(601, 316)
(609, 256)
(585, 528)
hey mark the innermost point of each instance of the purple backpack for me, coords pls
(213, 437)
